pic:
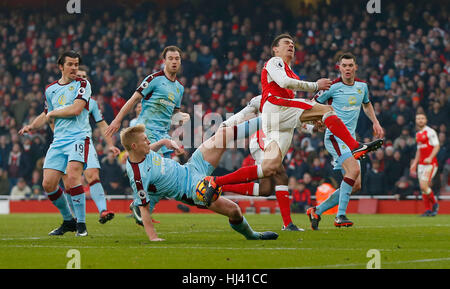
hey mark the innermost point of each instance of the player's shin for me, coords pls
(329, 203)
(98, 195)
(242, 227)
(58, 199)
(338, 128)
(242, 175)
(246, 189)
(344, 196)
(79, 202)
(282, 194)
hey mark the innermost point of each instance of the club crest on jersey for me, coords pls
(359, 91)
(156, 161)
(71, 88)
(62, 100)
(352, 100)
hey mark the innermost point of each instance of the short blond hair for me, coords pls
(128, 135)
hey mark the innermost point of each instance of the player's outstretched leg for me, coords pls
(237, 220)
(365, 148)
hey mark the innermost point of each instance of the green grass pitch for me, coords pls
(195, 241)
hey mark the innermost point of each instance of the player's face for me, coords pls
(172, 61)
(82, 74)
(285, 49)
(348, 67)
(421, 120)
(143, 143)
(70, 67)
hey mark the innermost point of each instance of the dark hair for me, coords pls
(170, 48)
(347, 55)
(71, 54)
(277, 39)
(83, 68)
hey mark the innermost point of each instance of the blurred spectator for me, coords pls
(301, 196)
(403, 187)
(297, 166)
(307, 181)
(394, 168)
(112, 176)
(231, 160)
(375, 181)
(21, 190)
(5, 187)
(16, 164)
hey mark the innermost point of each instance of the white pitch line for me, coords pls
(218, 248)
(364, 264)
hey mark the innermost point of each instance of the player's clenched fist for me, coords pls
(323, 84)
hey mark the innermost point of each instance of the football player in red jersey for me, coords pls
(426, 163)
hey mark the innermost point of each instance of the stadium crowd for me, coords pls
(403, 54)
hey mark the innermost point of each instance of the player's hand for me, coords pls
(180, 118)
(115, 150)
(319, 126)
(428, 160)
(49, 117)
(412, 170)
(25, 129)
(378, 130)
(171, 144)
(185, 117)
(112, 128)
(323, 84)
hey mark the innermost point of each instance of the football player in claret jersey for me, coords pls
(92, 170)
(153, 178)
(67, 104)
(426, 163)
(160, 94)
(346, 95)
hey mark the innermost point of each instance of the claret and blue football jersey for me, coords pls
(59, 96)
(160, 97)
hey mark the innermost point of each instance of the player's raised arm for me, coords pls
(276, 69)
(103, 125)
(248, 112)
(148, 224)
(69, 111)
(170, 144)
(370, 112)
(128, 106)
(38, 122)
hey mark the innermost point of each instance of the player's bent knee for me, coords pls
(235, 212)
(92, 176)
(49, 185)
(328, 111)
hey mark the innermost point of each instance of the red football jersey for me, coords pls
(270, 87)
(426, 140)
